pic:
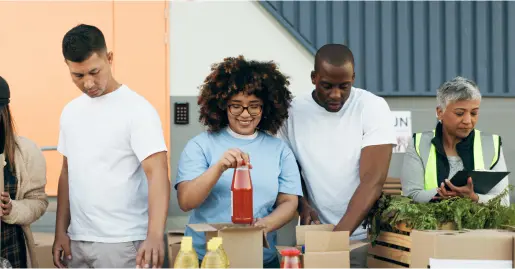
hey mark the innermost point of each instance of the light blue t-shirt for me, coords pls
(274, 170)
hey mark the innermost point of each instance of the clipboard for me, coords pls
(483, 181)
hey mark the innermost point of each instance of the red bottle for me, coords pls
(241, 195)
(290, 258)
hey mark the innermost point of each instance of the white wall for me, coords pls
(202, 33)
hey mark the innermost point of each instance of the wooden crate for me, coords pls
(392, 186)
(392, 249)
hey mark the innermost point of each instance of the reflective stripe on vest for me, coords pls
(486, 154)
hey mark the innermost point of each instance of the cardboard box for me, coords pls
(468, 246)
(174, 238)
(393, 248)
(242, 243)
(44, 242)
(326, 249)
(323, 247)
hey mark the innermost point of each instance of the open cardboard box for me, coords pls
(323, 248)
(44, 242)
(174, 238)
(242, 243)
(465, 247)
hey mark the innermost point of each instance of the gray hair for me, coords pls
(457, 89)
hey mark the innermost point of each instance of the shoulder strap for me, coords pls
(490, 145)
(423, 144)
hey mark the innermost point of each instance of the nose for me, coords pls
(88, 84)
(245, 113)
(467, 118)
(335, 94)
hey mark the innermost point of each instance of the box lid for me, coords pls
(326, 241)
(175, 236)
(300, 231)
(228, 227)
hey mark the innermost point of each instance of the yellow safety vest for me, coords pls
(486, 154)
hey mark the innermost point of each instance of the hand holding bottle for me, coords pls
(233, 157)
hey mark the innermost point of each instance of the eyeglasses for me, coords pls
(253, 110)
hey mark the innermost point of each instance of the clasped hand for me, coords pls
(465, 191)
(233, 157)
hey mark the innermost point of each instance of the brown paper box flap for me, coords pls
(280, 248)
(228, 227)
(334, 259)
(175, 236)
(325, 241)
(301, 230)
(354, 244)
(213, 227)
(202, 227)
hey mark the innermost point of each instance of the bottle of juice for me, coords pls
(221, 251)
(241, 195)
(212, 259)
(187, 256)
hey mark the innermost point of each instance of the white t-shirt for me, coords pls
(328, 147)
(105, 139)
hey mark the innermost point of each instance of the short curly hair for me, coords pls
(235, 75)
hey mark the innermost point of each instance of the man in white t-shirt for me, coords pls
(342, 138)
(114, 186)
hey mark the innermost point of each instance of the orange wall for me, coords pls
(32, 63)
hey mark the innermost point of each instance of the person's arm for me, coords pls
(501, 186)
(373, 170)
(156, 170)
(192, 193)
(376, 151)
(412, 177)
(63, 201)
(148, 145)
(290, 190)
(195, 178)
(35, 201)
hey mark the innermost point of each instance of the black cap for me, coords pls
(5, 94)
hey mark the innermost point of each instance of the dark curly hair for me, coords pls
(236, 75)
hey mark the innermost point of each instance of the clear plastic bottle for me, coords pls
(212, 259)
(221, 251)
(187, 256)
(4, 263)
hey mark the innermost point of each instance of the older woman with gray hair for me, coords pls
(434, 157)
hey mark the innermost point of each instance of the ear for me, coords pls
(110, 57)
(439, 113)
(353, 77)
(313, 77)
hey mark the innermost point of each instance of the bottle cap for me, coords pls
(290, 252)
(211, 246)
(186, 244)
(217, 239)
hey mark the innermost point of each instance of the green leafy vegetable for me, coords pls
(390, 211)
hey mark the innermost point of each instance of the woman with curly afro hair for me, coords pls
(243, 104)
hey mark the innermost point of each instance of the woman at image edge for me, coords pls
(24, 200)
(243, 104)
(454, 141)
